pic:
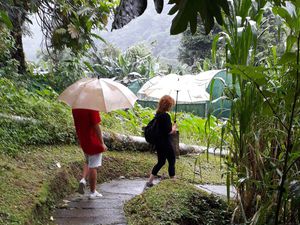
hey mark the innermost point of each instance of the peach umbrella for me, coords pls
(100, 94)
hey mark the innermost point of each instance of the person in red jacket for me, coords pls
(87, 124)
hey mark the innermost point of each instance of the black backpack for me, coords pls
(151, 131)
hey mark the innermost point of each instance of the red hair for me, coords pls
(165, 104)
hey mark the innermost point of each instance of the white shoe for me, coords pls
(95, 195)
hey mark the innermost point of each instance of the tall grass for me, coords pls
(264, 121)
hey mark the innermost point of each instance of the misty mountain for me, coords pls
(151, 29)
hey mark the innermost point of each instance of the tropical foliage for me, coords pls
(57, 72)
(66, 67)
(195, 47)
(187, 13)
(195, 50)
(68, 24)
(264, 123)
(136, 61)
(8, 66)
(262, 133)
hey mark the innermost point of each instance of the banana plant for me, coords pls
(136, 64)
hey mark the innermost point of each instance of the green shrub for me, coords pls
(56, 74)
(27, 118)
(127, 121)
(8, 66)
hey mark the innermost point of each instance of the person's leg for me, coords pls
(171, 161)
(95, 161)
(85, 171)
(93, 179)
(161, 160)
(151, 178)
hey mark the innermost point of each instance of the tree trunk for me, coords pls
(122, 142)
(18, 52)
(17, 17)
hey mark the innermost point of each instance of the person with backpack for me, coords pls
(163, 141)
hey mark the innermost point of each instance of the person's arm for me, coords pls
(174, 128)
(99, 133)
(95, 121)
(100, 136)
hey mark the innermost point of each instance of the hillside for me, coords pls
(150, 28)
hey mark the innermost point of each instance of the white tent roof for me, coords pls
(204, 78)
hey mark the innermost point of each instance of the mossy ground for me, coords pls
(32, 182)
(176, 202)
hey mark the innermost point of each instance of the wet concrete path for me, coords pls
(219, 190)
(108, 210)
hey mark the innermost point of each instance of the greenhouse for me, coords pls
(192, 92)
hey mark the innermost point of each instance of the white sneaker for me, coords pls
(95, 195)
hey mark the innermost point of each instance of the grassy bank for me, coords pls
(32, 182)
(27, 180)
(176, 202)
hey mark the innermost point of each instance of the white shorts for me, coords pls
(93, 161)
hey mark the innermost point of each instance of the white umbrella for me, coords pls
(185, 89)
(102, 94)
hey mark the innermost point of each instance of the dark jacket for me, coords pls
(164, 143)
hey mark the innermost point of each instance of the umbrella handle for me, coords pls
(176, 105)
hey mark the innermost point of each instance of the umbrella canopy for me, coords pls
(185, 89)
(102, 94)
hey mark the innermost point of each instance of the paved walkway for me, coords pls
(79, 210)
(219, 190)
(108, 210)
